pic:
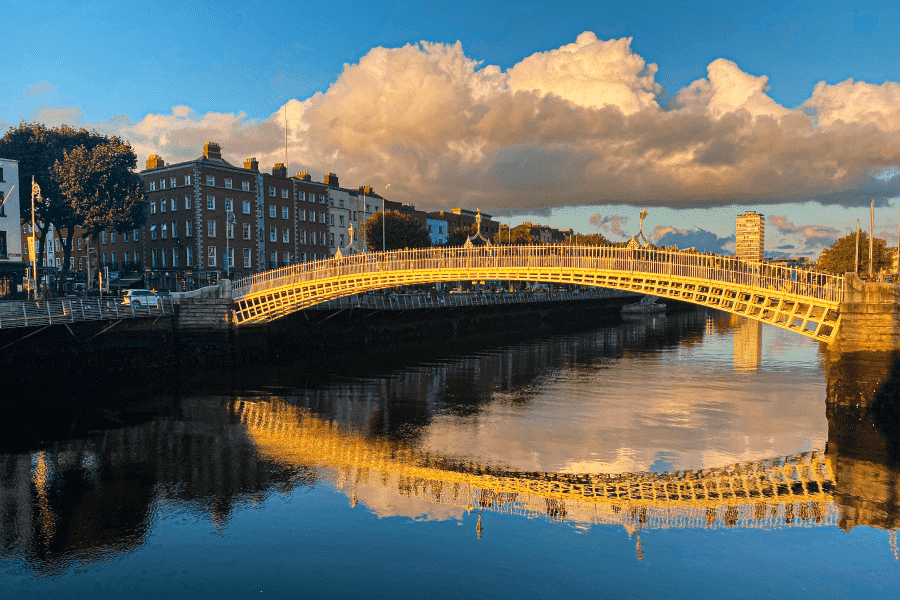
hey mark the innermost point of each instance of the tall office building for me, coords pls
(750, 236)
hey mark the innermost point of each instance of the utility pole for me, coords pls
(871, 236)
(856, 262)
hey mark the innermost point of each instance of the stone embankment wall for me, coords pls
(870, 317)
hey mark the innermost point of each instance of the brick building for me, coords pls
(463, 218)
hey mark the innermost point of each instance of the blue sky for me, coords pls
(710, 109)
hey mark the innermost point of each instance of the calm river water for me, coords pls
(693, 454)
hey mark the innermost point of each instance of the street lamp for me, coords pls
(384, 222)
(229, 225)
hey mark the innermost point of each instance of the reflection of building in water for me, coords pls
(795, 490)
(747, 343)
(94, 498)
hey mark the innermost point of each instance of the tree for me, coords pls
(458, 236)
(102, 189)
(840, 256)
(517, 236)
(38, 149)
(595, 239)
(399, 231)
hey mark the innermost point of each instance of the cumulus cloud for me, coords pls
(813, 237)
(42, 87)
(702, 240)
(610, 224)
(577, 125)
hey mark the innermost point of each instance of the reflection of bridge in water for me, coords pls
(793, 490)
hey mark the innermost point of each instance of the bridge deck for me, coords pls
(803, 301)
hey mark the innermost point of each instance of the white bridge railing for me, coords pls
(31, 313)
(506, 260)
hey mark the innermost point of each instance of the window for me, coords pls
(301, 236)
(187, 228)
(285, 258)
(187, 180)
(211, 228)
(431, 229)
(174, 230)
(302, 257)
(312, 216)
(153, 207)
(440, 229)
(102, 240)
(229, 205)
(3, 253)
(285, 235)
(245, 185)
(273, 260)
(322, 217)
(135, 235)
(187, 203)
(247, 258)
(246, 207)
(211, 256)
(210, 203)
(301, 214)
(189, 256)
(165, 255)
(210, 180)
(301, 196)
(164, 230)
(172, 181)
(229, 231)
(272, 234)
(341, 241)
(80, 240)
(112, 237)
(271, 211)
(284, 212)
(341, 220)
(330, 239)
(162, 205)
(312, 238)
(174, 205)
(231, 258)
(174, 257)
(152, 186)
(272, 191)
(227, 183)
(331, 220)
(322, 240)
(154, 257)
(341, 203)
(246, 231)
(284, 193)
(162, 184)
(321, 198)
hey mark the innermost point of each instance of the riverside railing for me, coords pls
(503, 262)
(31, 313)
(426, 301)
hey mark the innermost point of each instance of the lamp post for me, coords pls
(384, 222)
(229, 224)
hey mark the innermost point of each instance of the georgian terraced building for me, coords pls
(206, 213)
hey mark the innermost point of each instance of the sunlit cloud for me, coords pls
(578, 125)
(609, 224)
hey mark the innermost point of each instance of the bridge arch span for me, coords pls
(804, 301)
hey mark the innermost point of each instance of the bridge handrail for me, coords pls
(31, 313)
(711, 267)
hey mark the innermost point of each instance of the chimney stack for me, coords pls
(279, 170)
(251, 164)
(304, 175)
(155, 162)
(331, 180)
(212, 150)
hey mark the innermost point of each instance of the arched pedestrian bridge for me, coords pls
(804, 301)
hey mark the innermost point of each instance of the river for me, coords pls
(693, 453)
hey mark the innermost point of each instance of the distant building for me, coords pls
(437, 231)
(463, 218)
(750, 237)
(12, 263)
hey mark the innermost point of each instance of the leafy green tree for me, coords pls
(595, 239)
(517, 236)
(102, 190)
(458, 236)
(840, 256)
(400, 231)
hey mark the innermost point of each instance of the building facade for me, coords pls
(12, 261)
(463, 218)
(750, 236)
(437, 231)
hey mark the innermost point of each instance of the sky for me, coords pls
(573, 114)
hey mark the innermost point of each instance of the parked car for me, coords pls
(141, 298)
